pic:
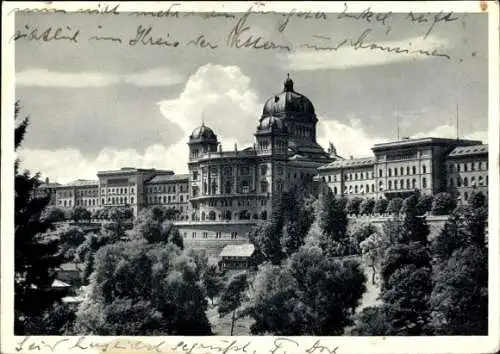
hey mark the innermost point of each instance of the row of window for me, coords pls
(166, 189)
(86, 202)
(117, 190)
(118, 200)
(468, 166)
(401, 184)
(87, 193)
(228, 215)
(218, 234)
(410, 170)
(164, 199)
(459, 181)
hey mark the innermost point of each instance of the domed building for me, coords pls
(231, 190)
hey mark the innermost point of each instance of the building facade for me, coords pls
(226, 192)
(399, 168)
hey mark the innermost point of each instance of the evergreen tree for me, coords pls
(36, 256)
(332, 221)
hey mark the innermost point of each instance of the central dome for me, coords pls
(289, 103)
(203, 133)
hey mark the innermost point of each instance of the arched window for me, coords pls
(402, 171)
(131, 200)
(408, 184)
(402, 184)
(389, 172)
(202, 216)
(373, 188)
(367, 190)
(227, 215)
(414, 170)
(164, 199)
(380, 173)
(211, 215)
(380, 186)
(204, 187)
(244, 215)
(395, 171)
(459, 181)
(414, 183)
(355, 189)
(407, 170)
(424, 169)
(389, 185)
(424, 182)
(466, 182)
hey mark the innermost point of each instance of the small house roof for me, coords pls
(244, 250)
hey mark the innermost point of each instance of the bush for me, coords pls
(425, 204)
(353, 204)
(380, 206)
(367, 206)
(394, 205)
(443, 204)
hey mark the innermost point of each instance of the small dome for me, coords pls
(289, 101)
(272, 123)
(203, 133)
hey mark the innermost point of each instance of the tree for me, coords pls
(36, 256)
(53, 214)
(367, 206)
(306, 295)
(460, 296)
(70, 239)
(359, 231)
(232, 297)
(332, 221)
(394, 205)
(415, 228)
(80, 214)
(477, 200)
(142, 289)
(353, 205)
(212, 281)
(380, 206)
(443, 204)
(372, 321)
(425, 203)
(372, 251)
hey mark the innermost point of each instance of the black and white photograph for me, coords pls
(250, 177)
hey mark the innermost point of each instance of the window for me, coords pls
(380, 173)
(389, 173)
(424, 182)
(334, 190)
(245, 188)
(395, 172)
(329, 178)
(466, 196)
(414, 183)
(466, 167)
(459, 182)
(373, 188)
(355, 189)
(194, 235)
(466, 182)
(181, 198)
(402, 171)
(408, 170)
(218, 234)
(356, 176)
(205, 235)
(389, 185)
(245, 170)
(424, 169)
(263, 187)
(408, 184)
(263, 170)
(234, 235)
(480, 179)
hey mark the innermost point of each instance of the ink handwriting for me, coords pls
(252, 41)
(47, 35)
(143, 36)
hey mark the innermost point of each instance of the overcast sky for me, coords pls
(102, 105)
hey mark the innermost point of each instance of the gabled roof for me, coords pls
(244, 250)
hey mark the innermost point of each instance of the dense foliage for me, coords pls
(36, 257)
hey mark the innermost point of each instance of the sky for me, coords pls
(100, 105)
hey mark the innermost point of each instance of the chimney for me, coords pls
(46, 180)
